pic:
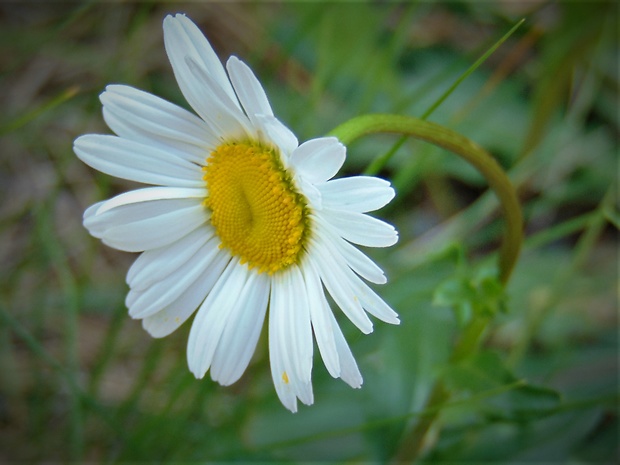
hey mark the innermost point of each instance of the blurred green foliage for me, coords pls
(82, 381)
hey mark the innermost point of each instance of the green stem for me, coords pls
(466, 149)
(413, 442)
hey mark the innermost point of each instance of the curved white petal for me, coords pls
(318, 160)
(164, 292)
(368, 299)
(354, 257)
(214, 106)
(154, 265)
(249, 90)
(277, 355)
(372, 303)
(154, 232)
(147, 225)
(358, 193)
(360, 228)
(349, 372)
(271, 131)
(182, 38)
(335, 351)
(96, 229)
(321, 321)
(337, 285)
(300, 345)
(360, 263)
(310, 192)
(238, 341)
(212, 316)
(148, 194)
(169, 318)
(135, 161)
(143, 117)
(284, 355)
(304, 392)
(365, 296)
(186, 151)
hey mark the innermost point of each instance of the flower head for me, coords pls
(239, 219)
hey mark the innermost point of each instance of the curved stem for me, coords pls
(466, 149)
(413, 442)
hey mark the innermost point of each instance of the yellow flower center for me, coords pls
(255, 209)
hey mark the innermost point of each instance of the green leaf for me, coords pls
(471, 293)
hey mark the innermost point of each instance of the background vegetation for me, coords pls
(82, 381)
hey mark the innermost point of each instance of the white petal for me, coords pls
(304, 392)
(169, 318)
(97, 229)
(154, 265)
(127, 130)
(166, 291)
(359, 193)
(155, 232)
(366, 297)
(281, 380)
(349, 372)
(183, 39)
(238, 342)
(214, 106)
(309, 190)
(272, 131)
(360, 228)
(140, 116)
(135, 161)
(360, 263)
(369, 300)
(299, 342)
(212, 316)
(321, 321)
(374, 304)
(249, 90)
(337, 285)
(318, 160)
(354, 257)
(147, 225)
(153, 193)
(284, 369)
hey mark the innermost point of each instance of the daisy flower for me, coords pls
(239, 219)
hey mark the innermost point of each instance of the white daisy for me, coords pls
(240, 219)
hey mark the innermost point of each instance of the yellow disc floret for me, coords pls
(255, 209)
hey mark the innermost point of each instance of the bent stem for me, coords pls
(466, 149)
(413, 442)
